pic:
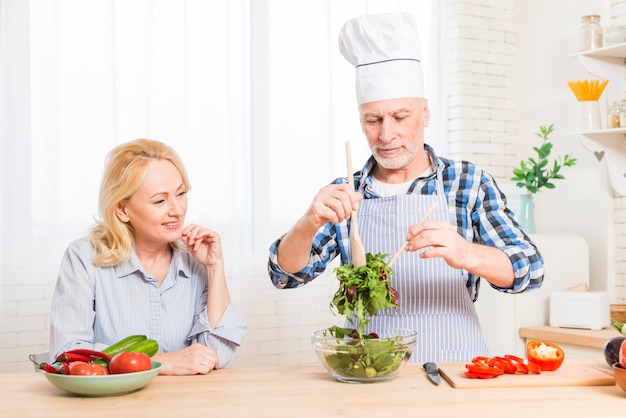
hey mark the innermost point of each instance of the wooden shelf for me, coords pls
(608, 145)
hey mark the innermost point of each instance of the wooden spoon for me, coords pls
(358, 251)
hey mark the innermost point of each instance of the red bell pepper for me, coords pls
(545, 355)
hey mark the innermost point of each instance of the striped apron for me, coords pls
(433, 298)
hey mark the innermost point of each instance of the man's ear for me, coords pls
(120, 211)
(426, 112)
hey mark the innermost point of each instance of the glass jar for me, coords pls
(613, 35)
(590, 32)
(614, 115)
(622, 115)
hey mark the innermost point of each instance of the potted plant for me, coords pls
(533, 174)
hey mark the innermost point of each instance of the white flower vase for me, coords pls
(589, 115)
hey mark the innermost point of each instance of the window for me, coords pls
(254, 95)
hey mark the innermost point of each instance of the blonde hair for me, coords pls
(125, 170)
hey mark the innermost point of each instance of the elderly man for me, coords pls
(470, 235)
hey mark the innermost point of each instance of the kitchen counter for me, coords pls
(580, 337)
(307, 391)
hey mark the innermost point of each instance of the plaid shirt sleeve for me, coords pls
(481, 215)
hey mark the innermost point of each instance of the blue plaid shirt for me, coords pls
(477, 206)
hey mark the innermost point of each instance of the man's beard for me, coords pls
(395, 163)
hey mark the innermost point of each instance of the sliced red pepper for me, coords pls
(480, 375)
(482, 369)
(518, 363)
(534, 368)
(504, 364)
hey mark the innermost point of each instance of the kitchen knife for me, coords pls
(433, 372)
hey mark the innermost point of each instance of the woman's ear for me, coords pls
(120, 211)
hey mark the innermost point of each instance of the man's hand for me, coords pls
(333, 203)
(444, 241)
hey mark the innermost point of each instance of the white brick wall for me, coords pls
(481, 80)
(24, 307)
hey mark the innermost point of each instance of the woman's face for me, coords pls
(157, 209)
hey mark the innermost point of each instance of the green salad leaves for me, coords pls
(365, 290)
(362, 293)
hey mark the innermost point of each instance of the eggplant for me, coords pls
(611, 349)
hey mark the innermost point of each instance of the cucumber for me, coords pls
(123, 345)
(147, 346)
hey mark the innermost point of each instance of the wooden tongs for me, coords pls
(356, 245)
(403, 247)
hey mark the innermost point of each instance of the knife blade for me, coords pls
(433, 372)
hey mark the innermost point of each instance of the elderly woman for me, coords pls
(141, 271)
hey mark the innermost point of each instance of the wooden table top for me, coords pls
(307, 391)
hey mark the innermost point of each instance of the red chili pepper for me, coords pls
(70, 357)
(65, 369)
(55, 368)
(82, 354)
(48, 368)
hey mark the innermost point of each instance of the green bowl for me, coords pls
(108, 385)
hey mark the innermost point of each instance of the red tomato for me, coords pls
(546, 355)
(129, 362)
(87, 369)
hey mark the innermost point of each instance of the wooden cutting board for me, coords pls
(573, 372)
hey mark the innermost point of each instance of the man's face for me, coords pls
(395, 130)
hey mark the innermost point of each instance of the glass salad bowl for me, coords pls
(367, 360)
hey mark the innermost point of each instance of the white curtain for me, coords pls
(253, 94)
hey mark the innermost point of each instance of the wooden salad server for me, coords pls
(356, 245)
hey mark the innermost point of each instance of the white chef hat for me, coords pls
(385, 49)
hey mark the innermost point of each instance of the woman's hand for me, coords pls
(195, 359)
(205, 245)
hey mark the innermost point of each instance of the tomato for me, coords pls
(129, 362)
(87, 369)
(546, 355)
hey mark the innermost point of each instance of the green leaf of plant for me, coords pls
(532, 173)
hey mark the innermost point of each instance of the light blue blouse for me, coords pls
(94, 307)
